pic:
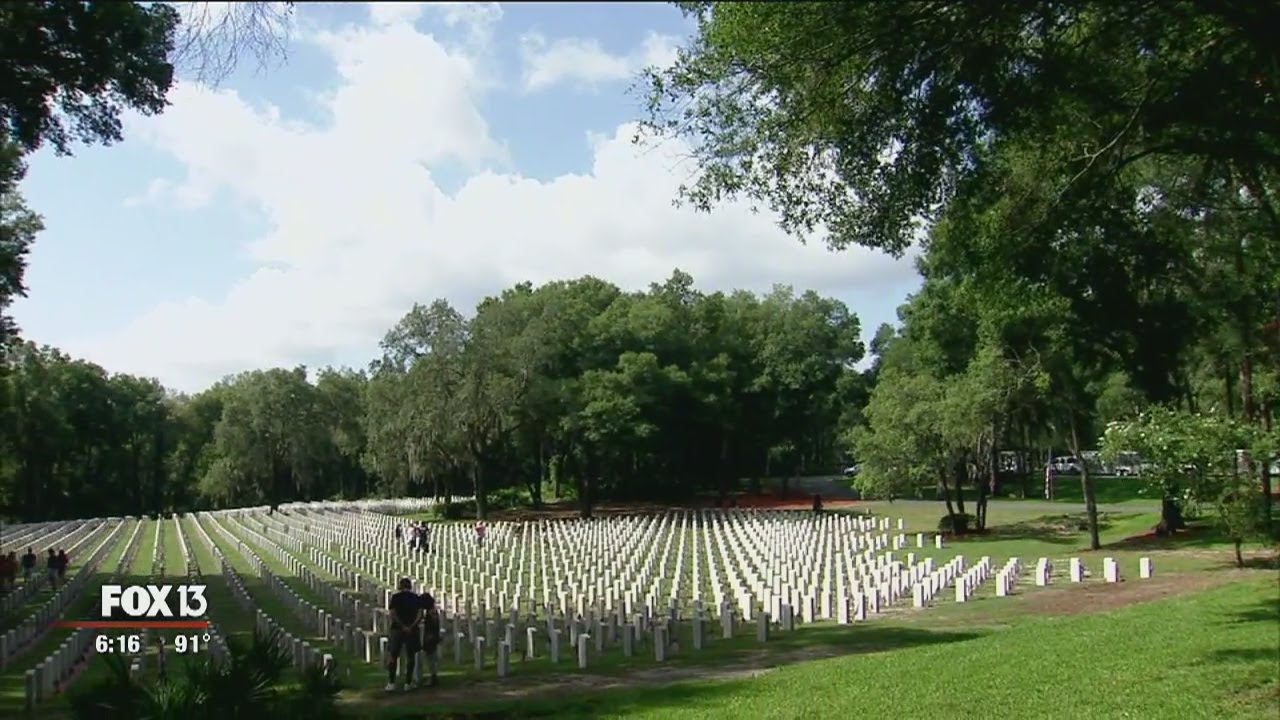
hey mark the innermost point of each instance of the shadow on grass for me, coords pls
(1062, 529)
(1198, 535)
(1267, 611)
(1247, 655)
(688, 679)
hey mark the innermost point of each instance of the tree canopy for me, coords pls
(1092, 186)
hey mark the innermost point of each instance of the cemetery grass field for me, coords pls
(1208, 654)
(1195, 640)
(1220, 661)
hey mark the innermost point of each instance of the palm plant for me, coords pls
(247, 683)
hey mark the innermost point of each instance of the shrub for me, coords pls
(453, 511)
(246, 684)
(956, 524)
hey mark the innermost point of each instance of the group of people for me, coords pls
(55, 568)
(417, 536)
(415, 626)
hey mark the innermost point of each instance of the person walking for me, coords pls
(63, 561)
(51, 569)
(28, 565)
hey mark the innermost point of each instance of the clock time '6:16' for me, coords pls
(121, 644)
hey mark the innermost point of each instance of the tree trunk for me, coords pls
(1025, 461)
(722, 474)
(961, 471)
(1086, 486)
(946, 497)
(477, 486)
(557, 472)
(1229, 387)
(583, 469)
(1239, 554)
(1266, 475)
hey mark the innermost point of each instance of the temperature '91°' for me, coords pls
(153, 601)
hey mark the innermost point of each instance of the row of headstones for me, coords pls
(216, 644)
(16, 641)
(596, 641)
(860, 611)
(36, 535)
(826, 600)
(51, 676)
(774, 605)
(336, 567)
(329, 627)
(393, 506)
(1076, 570)
(60, 536)
(344, 627)
(351, 607)
(302, 653)
(351, 638)
(21, 533)
(453, 588)
(56, 672)
(217, 639)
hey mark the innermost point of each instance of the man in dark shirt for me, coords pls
(405, 609)
(51, 568)
(28, 565)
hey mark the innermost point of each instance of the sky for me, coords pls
(402, 152)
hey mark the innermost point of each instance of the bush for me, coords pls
(453, 511)
(956, 524)
(250, 683)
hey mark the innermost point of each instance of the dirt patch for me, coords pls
(1101, 597)
(749, 666)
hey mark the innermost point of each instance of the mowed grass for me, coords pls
(12, 687)
(1209, 655)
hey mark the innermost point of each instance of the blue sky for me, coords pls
(400, 153)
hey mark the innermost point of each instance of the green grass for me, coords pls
(1210, 655)
(12, 690)
(18, 615)
(1107, 490)
(950, 659)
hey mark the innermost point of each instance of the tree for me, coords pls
(212, 38)
(19, 227)
(857, 120)
(74, 67)
(1206, 459)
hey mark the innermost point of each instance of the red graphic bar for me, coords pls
(132, 624)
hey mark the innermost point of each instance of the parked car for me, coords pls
(852, 470)
(1065, 465)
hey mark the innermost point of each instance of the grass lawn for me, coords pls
(1211, 654)
(1091, 650)
(1198, 640)
(12, 688)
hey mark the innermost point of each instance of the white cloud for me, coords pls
(584, 62)
(359, 230)
(390, 13)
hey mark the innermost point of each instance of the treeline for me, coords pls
(576, 386)
(1100, 185)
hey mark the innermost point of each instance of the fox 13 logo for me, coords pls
(134, 602)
